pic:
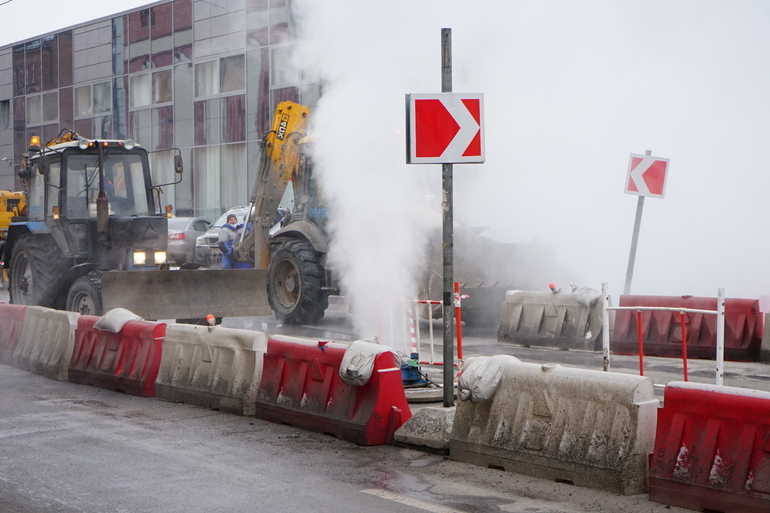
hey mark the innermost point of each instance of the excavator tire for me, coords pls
(37, 268)
(295, 283)
(85, 296)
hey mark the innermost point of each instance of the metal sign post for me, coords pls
(448, 238)
(634, 242)
(446, 128)
(646, 177)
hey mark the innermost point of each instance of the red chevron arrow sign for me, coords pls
(445, 128)
(646, 176)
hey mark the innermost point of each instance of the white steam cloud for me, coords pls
(571, 89)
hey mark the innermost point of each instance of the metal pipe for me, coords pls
(684, 344)
(605, 328)
(458, 322)
(641, 341)
(662, 309)
(720, 336)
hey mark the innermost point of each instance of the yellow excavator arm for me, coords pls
(279, 161)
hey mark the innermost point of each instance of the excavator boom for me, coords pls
(278, 164)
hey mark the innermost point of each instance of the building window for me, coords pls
(140, 91)
(226, 75)
(102, 96)
(93, 99)
(282, 69)
(5, 114)
(161, 87)
(34, 110)
(83, 106)
(50, 107)
(206, 79)
(151, 89)
(232, 73)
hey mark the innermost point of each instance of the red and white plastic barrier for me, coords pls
(301, 386)
(712, 449)
(126, 361)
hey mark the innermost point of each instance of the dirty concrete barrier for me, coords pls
(590, 428)
(217, 368)
(46, 342)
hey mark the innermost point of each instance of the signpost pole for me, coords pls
(634, 241)
(448, 243)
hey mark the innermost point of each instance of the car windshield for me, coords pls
(178, 223)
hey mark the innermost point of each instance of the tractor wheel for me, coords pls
(85, 296)
(37, 267)
(295, 283)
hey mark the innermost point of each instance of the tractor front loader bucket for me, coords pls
(187, 293)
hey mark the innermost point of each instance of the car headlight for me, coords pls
(160, 257)
(140, 257)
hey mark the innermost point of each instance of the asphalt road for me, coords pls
(68, 448)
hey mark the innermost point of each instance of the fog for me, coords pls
(570, 90)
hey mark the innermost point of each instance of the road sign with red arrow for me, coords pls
(646, 176)
(445, 128)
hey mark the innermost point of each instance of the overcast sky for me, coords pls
(23, 19)
(571, 89)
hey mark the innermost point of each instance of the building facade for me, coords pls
(203, 76)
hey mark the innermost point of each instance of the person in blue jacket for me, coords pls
(226, 240)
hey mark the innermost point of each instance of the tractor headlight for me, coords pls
(160, 257)
(83, 143)
(140, 257)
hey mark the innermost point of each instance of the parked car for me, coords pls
(206, 245)
(182, 234)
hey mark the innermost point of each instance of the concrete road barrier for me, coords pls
(550, 319)
(11, 324)
(591, 428)
(46, 342)
(218, 368)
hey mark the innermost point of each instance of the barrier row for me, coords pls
(709, 446)
(566, 320)
(214, 367)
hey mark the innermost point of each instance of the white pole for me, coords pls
(720, 336)
(605, 327)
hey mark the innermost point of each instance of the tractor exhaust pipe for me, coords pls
(102, 205)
